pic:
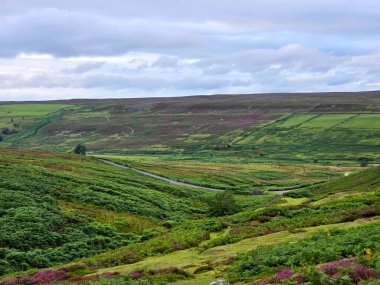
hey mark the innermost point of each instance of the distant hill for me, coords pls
(170, 124)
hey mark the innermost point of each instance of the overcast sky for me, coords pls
(123, 48)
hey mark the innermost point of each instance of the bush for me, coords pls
(7, 131)
(319, 248)
(223, 204)
(300, 194)
(212, 225)
(80, 149)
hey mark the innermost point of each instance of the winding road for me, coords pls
(175, 182)
(159, 176)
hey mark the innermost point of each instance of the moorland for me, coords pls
(289, 190)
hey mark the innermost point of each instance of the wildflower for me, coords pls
(359, 272)
(136, 274)
(283, 274)
(48, 275)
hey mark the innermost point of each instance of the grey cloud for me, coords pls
(290, 67)
(85, 67)
(181, 27)
(316, 15)
(291, 56)
(66, 33)
(195, 83)
(166, 62)
(180, 46)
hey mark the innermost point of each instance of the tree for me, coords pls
(223, 204)
(80, 149)
(1, 138)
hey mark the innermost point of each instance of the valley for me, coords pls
(253, 189)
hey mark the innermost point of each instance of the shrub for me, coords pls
(223, 204)
(7, 131)
(300, 194)
(80, 149)
(212, 225)
(321, 247)
(257, 192)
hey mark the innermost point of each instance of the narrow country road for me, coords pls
(279, 192)
(158, 176)
(282, 192)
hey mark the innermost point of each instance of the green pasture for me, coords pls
(19, 117)
(326, 121)
(336, 138)
(30, 110)
(293, 121)
(363, 121)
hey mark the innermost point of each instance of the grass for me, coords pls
(30, 110)
(327, 121)
(234, 175)
(124, 222)
(58, 207)
(221, 256)
(288, 201)
(133, 221)
(194, 124)
(362, 121)
(65, 208)
(294, 121)
(321, 247)
(20, 117)
(327, 138)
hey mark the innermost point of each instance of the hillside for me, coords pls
(244, 122)
(267, 141)
(57, 208)
(254, 189)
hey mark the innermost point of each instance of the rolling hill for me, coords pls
(57, 208)
(194, 123)
(253, 189)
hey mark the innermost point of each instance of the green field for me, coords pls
(326, 137)
(20, 117)
(294, 121)
(30, 110)
(326, 121)
(362, 121)
(194, 124)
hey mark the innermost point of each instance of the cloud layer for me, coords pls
(176, 47)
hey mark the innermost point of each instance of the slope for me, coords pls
(57, 207)
(262, 242)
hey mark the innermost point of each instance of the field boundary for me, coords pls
(262, 127)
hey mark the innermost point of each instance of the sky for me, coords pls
(149, 48)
